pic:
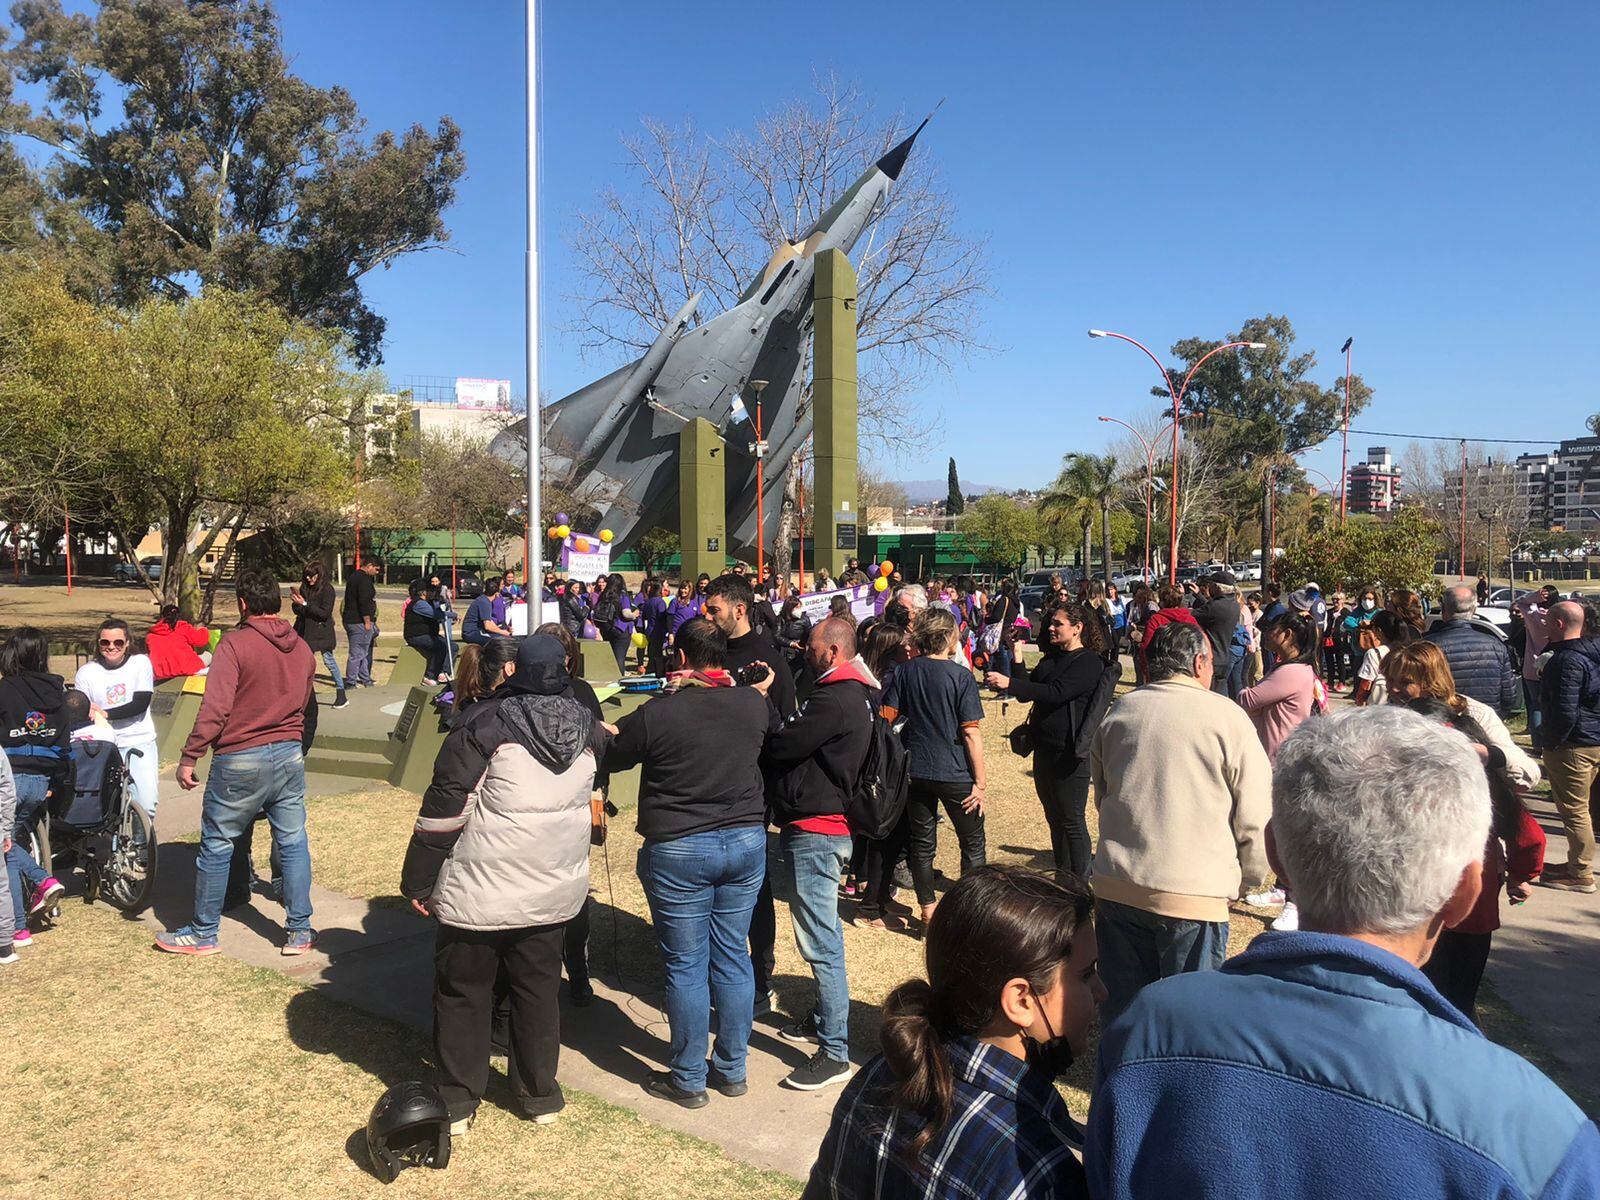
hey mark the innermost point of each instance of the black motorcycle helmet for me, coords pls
(409, 1126)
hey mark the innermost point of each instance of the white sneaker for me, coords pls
(7, 957)
(1267, 898)
(1288, 920)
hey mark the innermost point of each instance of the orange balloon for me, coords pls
(887, 568)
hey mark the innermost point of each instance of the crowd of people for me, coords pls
(1387, 829)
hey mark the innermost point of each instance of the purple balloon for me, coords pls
(561, 519)
(872, 570)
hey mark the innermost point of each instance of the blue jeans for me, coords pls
(271, 779)
(815, 861)
(1000, 661)
(1530, 697)
(702, 889)
(333, 669)
(1236, 661)
(1137, 948)
(23, 869)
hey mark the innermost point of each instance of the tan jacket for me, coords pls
(1184, 791)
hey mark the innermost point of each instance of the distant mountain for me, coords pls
(926, 491)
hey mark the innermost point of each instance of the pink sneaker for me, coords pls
(22, 938)
(45, 894)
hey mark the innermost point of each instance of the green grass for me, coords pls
(169, 1077)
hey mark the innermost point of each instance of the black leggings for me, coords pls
(1062, 783)
(922, 813)
(882, 855)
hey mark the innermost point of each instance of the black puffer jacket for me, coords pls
(1569, 694)
(1480, 662)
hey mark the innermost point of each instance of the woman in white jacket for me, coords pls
(500, 856)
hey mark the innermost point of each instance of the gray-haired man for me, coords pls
(1376, 1085)
(1184, 792)
(1476, 652)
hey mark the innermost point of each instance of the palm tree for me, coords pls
(1088, 485)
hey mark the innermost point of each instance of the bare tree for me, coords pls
(705, 213)
(1432, 474)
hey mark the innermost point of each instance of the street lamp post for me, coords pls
(1463, 561)
(1177, 394)
(758, 386)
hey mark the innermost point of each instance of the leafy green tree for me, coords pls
(655, 547)
(999, 529)
(1255, 409)
(1393, 553)
(954, 503)
(185, 153)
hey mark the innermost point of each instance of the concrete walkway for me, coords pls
(1545, 966)
(380, 960)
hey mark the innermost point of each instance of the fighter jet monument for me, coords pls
(616, 441)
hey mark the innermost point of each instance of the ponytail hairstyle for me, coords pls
(479, 674)
(1302, 632)
(997, 924)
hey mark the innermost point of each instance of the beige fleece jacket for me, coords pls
(1184, 791)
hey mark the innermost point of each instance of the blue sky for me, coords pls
(1421, 177)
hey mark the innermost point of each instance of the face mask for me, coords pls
(1052, 1056)
(1369, 604)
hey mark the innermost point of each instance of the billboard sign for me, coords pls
(483, 393)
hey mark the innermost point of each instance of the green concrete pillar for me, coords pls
(702, 500)
(838, 522)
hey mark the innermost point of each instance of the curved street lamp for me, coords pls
(1177, 394)
(1149, 444)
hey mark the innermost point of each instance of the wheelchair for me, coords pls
(100, 831)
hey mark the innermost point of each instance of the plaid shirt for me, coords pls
(1009, 1137)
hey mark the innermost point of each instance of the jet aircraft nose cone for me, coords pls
(892, 163)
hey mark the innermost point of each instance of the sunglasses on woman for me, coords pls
(109, 644)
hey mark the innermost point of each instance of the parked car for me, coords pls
(1127, 580)
(1247, 572)
(126, 572)
(1037, 583)
(468, 585)
(1504, 596)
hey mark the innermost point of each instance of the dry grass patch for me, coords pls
(207, 1078)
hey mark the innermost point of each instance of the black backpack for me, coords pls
(1095, 705)
(875, 808)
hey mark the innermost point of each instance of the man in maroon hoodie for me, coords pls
(251, 720)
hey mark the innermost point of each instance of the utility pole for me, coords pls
(535, 530)
(1463, 561)
(1488, 547)
(1344, 462)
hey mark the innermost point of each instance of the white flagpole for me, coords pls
(535, 542)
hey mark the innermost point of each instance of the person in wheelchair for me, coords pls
(34, 736)
(96, 824)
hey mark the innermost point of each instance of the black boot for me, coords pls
(339, 701)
